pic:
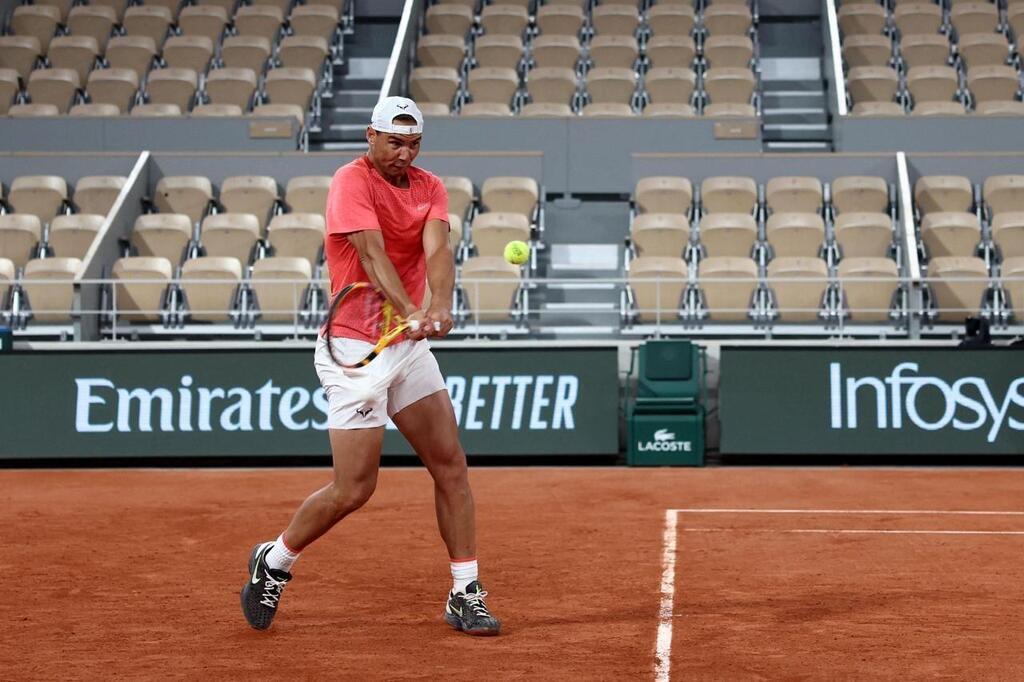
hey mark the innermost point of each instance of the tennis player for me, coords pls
(387, 223)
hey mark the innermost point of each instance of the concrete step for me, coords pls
(793, 98)
(373, 68)
(356, 98)
(810, 146)
(346, 115)
(796, 131)
(795, 116)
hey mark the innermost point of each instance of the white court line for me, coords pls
(936, 512)
(663, 648)
(853, 530)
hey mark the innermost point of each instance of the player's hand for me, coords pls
(419, 326)
(440, 321)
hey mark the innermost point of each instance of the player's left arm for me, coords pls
(440, 274)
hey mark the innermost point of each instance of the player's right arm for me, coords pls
(369, 244)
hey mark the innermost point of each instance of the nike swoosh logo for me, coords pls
(256, 567)
(454, 610)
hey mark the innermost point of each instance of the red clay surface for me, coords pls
(135, 575)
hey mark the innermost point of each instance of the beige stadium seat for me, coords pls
(454, 230)
(131, 52)
(868, 285)
(1004, 193)
(118, 8)
(722, 19)
(230, 235)
(264, 21)
(729, 51)
(917, 18)
(97, 193)
(19, 236)
(669, 110)
(875, 109)
(552, 85)
(148, 20)
(798, 301)
(974, 17)
(38, 21)
(307, 193)
(162, 235)
(614, 51)
(460, 194)
(32, 110)
(983, 49)
(948, 193)
(6, 278)
(188, 52)
(668, 85)
(40, 195)
(172, 86)
(297, 235)
(660, 234)
(932, 83)
(188, 194)
(607, 110)
(504, 20)
(451, 19)
(610, 20)
(290, 86)
(564, 20)
(216, 111)
(546, 110)
(210, 285)
(280, 4)
(203, 20)
(280, 285)
(939, 109)
(993, 83)
(561, 51)
(113, 86)
(729, 85)
(49, 284)
(730, 110)
(231, 86)
(141, 285)
(245, 52)
(280, 111)
(863, 234)
(958, 286)
(493, 230)
(303, 52)
(1000, 108)
(671, 20)
(728, 284)
(1012, 272)
(72, 235)
(485, 110)
(317, 21)
(255, 194)
(867, 50)
(58, 87)
(728, 234)
(227, 5)
(671, 51)
(860, 193)
(1008, 233)
(510, 195)
(439, 49)
(9, 88)
(93, 20)
(926, 49)
(950, 234)
(663, 194)
(430, 109)
(795, 234)
(490, 285)
(63, 6)
(493, 84)
(498, 51)
(728, 194)
(19, 53)
(610, 84)
(794, 194)
(156, 110)
(1015, 17)
(859, 19)
(74, 52)
(872, 83)
(433, 84)
(95, 110)
(658, 283)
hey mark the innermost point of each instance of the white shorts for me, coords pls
(366, 397)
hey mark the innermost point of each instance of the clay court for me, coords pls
(135, 574)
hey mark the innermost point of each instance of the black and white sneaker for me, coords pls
(466, 611)
(262, 591)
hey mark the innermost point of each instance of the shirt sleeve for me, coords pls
(349, 205)
(438, 202)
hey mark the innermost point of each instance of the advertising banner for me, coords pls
(269, 402)
(872, 401)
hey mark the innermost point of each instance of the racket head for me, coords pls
(364, 307)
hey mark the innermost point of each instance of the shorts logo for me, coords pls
(362, 412)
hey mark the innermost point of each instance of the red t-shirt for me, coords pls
(361, 199)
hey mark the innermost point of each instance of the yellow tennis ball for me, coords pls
(517, 252)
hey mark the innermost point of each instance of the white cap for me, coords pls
(390, 108)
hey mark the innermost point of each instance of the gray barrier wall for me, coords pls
(971, 133)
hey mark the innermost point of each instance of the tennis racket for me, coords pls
(366, 304)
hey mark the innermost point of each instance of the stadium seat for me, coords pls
(290, 86)
(460, 194)
(612, 85)
(71, 235)
(280, 301)
(867, 50)
(932, 83)
(671, 20)
(454, 230)
(728, 234)
(658, 283)
(303, 52)
(660, 234)
(280, 4)
(245, 52)
(728, 194)
(9, 88)
(863, 234)
(210, 285)
(173, 6)
(728, 284)
(32, 110)
(255, 194)
(140, 285)
(727, 19)
(41, 195)
(917, 18)
(203, 20)
(669, 110)
(19, 237)
(216, 110)
(560, 19)
(493, 84)
(868, 285)
(729, 85)
(148, 20)
(859, 19)
(1015, 18)
(607, 110)
(952, 108)
(983, 49)
(551, 85)
(498, 51)
(279, 111)
(614, 51)
(131, 52)
(262, 21)
(485, 109)
(490, 296)
(872, 83)
(795, 234)
(162, 235)
(63, 6)
(156, 110)
(98, 110)
(113, 86)
(794, 194)
(227, 5)
(188, 194)
(729, 51)
(860, 194)
(431, 109)
(308, 194)
(1008, 233)
(78, 53)
(504, 20)
(560, 51)
(668, 85)
(314, 21)
(729, 110)
(58, 87)
(926, 49)
(297, 235)
(19, 53)
(671, 51)
(958, 285)
(510, 195)
(869, 109)
(974, 17)
(663, 194)
(993, 83)
(947, 193)
(950, 233)
(612, 20)
(798, 301)
(172, 86)
(232, 86)
(1004, 193)
(188, 52)
(493, 230)
(450, 19)
(1012, 272)
(231, 235)
(6, 279)
(38, 21)
(433, 84)
(441, 50)
(97, 193)
(49, 284)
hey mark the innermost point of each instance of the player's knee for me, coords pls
(350, 497)
(450, 471)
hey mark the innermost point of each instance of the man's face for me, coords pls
(394, 153)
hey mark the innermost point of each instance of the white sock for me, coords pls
(280, 557)
(464, 571)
